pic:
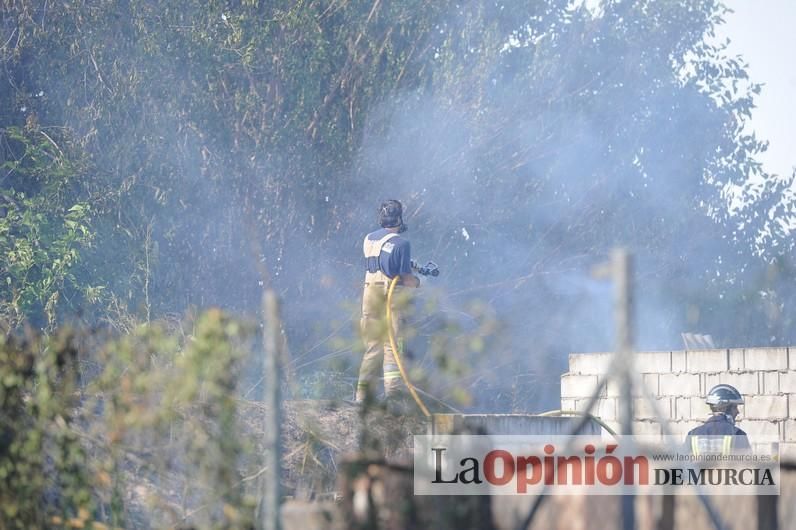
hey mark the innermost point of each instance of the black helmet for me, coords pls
(723, 397)
(391, 215)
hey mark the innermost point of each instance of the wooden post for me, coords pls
(272, 340)
(623, 314)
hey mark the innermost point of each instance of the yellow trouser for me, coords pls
(378, 352)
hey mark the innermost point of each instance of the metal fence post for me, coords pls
(272, 341)
(623, 315)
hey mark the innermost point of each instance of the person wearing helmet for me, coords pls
(387, 255)
(719, 435)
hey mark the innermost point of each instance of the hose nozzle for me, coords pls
(429, 269)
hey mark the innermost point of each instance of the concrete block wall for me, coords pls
(680, 379)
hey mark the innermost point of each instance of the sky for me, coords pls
(762, 32)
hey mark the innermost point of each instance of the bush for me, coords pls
(152, 441)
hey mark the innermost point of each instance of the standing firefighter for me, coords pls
(387, 255)
(719, 435)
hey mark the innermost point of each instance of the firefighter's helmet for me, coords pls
(723, 397)
(391, 215)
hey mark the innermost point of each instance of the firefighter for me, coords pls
(719, 435)
(387, 255)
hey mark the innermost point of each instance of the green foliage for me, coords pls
(152, 441)
(44, 229)
(230, 138)
(170, 410)
(43, 474)
(217, 146)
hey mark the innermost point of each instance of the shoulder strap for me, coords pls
(372, 247)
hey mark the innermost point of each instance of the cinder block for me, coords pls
(765, 407)
(654, 362)
(769, 383)
(678, 362)
(707, 361)
(577, 386)
(736, 361)
(651, 382)
(646, 428)
(678, 384)
(682, 408)
(792, 358)
(589, 363)
(699, 409)
(579, 404)
(761, 428)
(605, 408)
(787, 383)
(614, 386)
(766, 358)
(789, 430)
(792, 406)
(745, 382)
(642, 409)
(568, 404)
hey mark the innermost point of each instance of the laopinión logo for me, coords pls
(578, 465)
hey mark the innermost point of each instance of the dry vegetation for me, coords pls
(147, 431)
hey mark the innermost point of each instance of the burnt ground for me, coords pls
(317, 435)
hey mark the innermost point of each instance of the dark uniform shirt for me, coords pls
(395, 255)
(717, 435)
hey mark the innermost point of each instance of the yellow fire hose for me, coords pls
(411, 387)
(395, 351)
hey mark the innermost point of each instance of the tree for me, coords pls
(246, 143)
